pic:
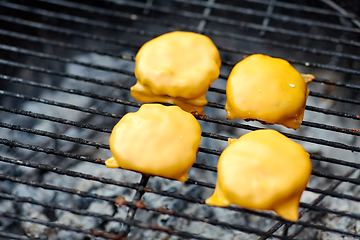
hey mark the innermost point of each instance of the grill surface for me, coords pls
(66, 68)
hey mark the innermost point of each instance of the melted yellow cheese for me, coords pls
(262, 170)
(267, 89)
(156, 140)
(177, 68)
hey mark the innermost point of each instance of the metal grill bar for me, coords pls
(11, 143)
(304, 8)
(210, 135)
(65, 31)
(311, 108)
(106, 217)
(136, 31)
(333, 160)
(355, 181)
(134, 186)
(85, 194)
(302, 48)
(341, 10)
(65, 60)
(335, 98)
(206, 13)
(72, 18)
(137, 186)
(207, 119)
(141, 225)
(54, 168)
(115, 100)
(30, 38)
(106, 146)
(269, 11)
(49, 151)
(304, 211)
(92, 214)
(99, 161)
(227, 49)
(280, 17)
(61, 74)
(46, 223)
(105, 181)
(307, 107)
(71, 173)
(233, 9)
(334, 194)
(331, 128)
(91, 143)
(94, 144)
(15, 236)
(316, 94)
(321, 209)
(60, 104)
(132, 208)
(333, 112)
(339, 84)
(98, 233)
(54, 135)
(54, 119)
(246, 25)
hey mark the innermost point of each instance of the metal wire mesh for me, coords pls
(40, 41)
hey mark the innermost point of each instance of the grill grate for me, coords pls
(57, 107)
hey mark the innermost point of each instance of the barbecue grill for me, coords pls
(66, 68)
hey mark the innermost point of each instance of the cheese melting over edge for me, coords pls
(267, 89)
(177, 68)
(156, 140)
(262, 170)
